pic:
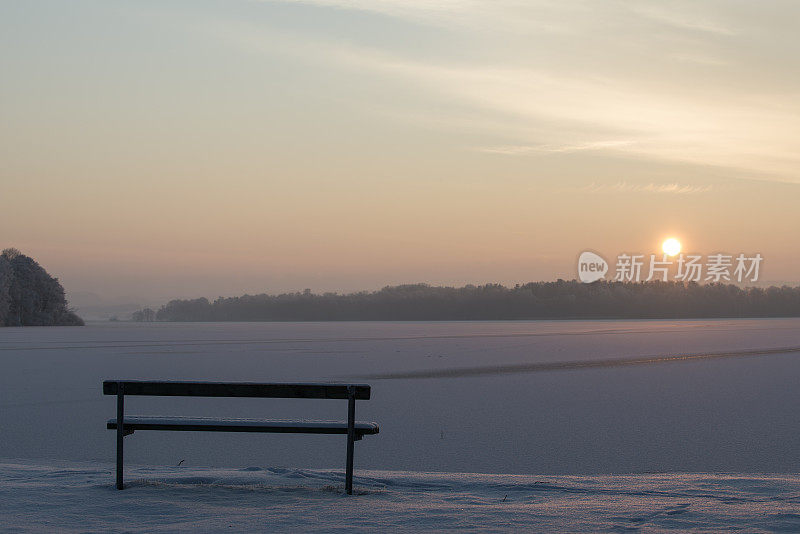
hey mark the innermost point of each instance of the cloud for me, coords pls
(624, 187)
(525, 149)
(617, 86)
(530, 15)
(682, 18)
(511, 15)
(397, 8)
(698, 59)
(749, 133)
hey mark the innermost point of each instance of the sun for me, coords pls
(671, 246)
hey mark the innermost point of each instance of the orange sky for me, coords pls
(216, 148)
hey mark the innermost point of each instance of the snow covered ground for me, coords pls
(485, 397)
(559, 403)
(78, 497)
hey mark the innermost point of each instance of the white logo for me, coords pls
(718, 268)
(591, 267)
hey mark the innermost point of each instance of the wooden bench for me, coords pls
(125, 425)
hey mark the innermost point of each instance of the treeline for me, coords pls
(145, 315)
(539, 300)
(29, 296)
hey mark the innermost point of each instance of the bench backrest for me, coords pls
(236, 389)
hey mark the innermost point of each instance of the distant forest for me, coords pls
(539, 300)
(29, 296)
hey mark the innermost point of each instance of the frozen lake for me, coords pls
(543, 397)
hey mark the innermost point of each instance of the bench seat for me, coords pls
(147, 422)
(350, 428)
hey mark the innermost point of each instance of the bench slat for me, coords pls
(146, 422)
(236, 389)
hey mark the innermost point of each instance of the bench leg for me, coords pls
(120, 432)
(351, 432)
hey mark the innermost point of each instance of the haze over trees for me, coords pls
(145, 315)
(29, 296)
(538, 300)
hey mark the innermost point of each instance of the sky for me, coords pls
(184, 148)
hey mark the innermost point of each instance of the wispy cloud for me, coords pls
(511, 15)
(746, 132)
(582, 99)
(525, 149)
(625, 187)
(398, 8)
(530, 14)
(680, 18)
(699, 59)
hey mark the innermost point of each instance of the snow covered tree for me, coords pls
(29, 296)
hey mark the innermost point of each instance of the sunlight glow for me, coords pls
(671, 246)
